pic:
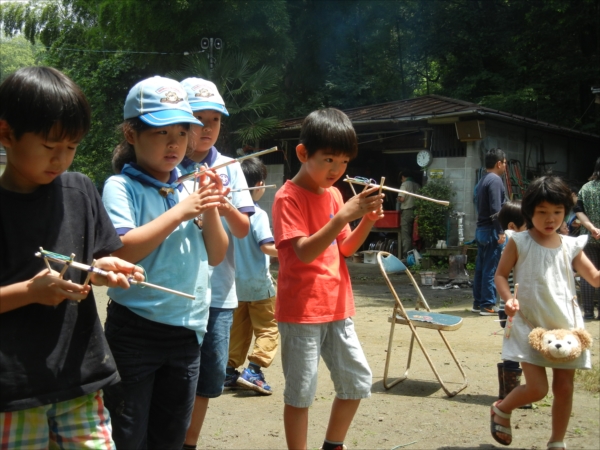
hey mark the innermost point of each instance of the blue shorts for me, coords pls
(214, 353)
(302, 345)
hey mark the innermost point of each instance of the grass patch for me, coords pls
(589, 380)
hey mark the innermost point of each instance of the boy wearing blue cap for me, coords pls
(155, 336)
(54, 359)
(208, 107)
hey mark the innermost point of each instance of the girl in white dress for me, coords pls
(543, 263)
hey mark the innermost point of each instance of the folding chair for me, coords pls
(414, 319)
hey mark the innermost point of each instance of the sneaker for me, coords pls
(231, 380)
(589, 316)
(254, 381)
(475, 310)
(485, 311)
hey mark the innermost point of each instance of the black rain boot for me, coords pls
(501, 393)
(512, 379)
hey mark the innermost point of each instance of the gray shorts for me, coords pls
(302, 345)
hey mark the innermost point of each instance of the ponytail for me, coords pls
(124, 152)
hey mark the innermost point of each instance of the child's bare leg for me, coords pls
(534, 389)
(342, 413)
(562, 388)
(295, 422)
(198, 415)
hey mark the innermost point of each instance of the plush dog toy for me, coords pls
(560, 345)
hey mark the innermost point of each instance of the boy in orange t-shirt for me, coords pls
(314, 295)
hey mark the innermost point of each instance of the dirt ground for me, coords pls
(415, 414)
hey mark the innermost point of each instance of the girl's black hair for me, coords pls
(254, 171)
(511, 212)
(36, 99)
(329, 130)
(124, 153)
(551, 189)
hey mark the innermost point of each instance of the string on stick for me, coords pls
(189, 176)
(69, 262)
(371, 183)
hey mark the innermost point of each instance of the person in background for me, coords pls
(587, 211)
(406, 205)
(489, 233)
(509, 372)
(255, 314)
(208, 107)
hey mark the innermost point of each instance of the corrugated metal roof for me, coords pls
(432, 106)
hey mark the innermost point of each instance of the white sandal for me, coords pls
(496, 428)
(556, 444)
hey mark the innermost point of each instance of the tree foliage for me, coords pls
(250, 93)
(432, 217)
(535, 58)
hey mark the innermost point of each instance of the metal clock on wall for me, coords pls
(424, 158)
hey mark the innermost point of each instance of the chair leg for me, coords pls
(432, 365)
(386, 384)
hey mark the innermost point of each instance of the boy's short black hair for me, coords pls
(35, 99)
(493, 156)
(330, 130)
(511, 212)
(254, 170)
(549, 188)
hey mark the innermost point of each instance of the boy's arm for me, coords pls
(215, 236)
(44, 288)
(309, 248)
(269, 249)
(507, 262)
(353, 242)
(238, 222)
(47, 288)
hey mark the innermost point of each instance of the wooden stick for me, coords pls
(64, 269)
(351, 185)
(400, 191)
(255, 187)
(87, 268)
(89, 275)
(189, 176)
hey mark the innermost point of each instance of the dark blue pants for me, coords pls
(488, 255)
(152, 405)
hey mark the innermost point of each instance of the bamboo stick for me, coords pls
(363, 183)
(189, 176)
(68, 262)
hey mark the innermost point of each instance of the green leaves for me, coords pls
(431, 216)
(251, 95)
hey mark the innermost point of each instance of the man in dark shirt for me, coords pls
(489, 233)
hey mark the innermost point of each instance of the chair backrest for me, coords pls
(389, 264)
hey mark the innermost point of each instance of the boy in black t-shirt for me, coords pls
(54, 358)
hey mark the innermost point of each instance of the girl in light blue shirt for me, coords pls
(155, 336)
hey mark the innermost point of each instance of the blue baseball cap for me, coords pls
(203, 94)
(159, 102)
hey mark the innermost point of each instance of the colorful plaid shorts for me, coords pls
(80, 423)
